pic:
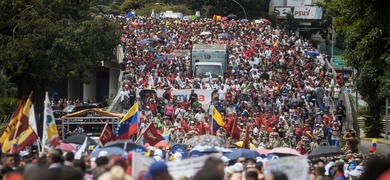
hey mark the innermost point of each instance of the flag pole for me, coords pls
(139, 137)
(212, 120)
(13, 138)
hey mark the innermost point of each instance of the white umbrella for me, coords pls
(205, 33)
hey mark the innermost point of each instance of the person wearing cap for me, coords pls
(158, 171)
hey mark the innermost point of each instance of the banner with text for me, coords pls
(307, 12)
(295, 167)
(177, 169)
(204, 96)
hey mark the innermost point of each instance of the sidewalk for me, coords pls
(380, 140)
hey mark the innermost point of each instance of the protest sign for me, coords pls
(295, 167)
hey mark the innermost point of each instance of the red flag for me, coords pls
(23, 122)
(234, 131)
(151, 135)
(246, 142)
(107, 135)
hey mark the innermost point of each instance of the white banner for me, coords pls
(295, 167)
(177, 169)
(307, 12)
(283, 11)
(299, 2)
(204, 96)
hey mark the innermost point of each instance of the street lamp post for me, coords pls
(241, 8)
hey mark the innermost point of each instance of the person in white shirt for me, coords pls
(124, 93)
(222, 93)
(199, 116)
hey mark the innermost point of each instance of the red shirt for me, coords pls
(186, 104)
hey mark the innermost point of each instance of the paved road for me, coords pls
(380, 148)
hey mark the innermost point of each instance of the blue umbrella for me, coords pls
(211, 149)
(143, 41)
(313, 53)
(110, 151)
(244, 20)
(225, 35)
(248, 154)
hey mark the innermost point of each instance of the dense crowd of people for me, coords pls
(274, 88)
(287, 96)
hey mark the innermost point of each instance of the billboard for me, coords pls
(307, 12)
(299, 2)
(282, 11)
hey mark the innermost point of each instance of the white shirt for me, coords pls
(222, 94)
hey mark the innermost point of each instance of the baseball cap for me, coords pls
(156, 168)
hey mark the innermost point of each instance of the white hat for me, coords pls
(103, 153)
(158, 152)
(239, 166)
(225, 159)
(177, 155)
(231, 169)
(158, 158)
(116, 173)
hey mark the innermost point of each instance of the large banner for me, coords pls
(283, 11)
(295, 167)
(299, 2)
(307, 12)
(177, 169)
(204, 96)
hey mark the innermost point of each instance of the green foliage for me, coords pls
(373, 128)
(364, 25)
(7, 88)
(132, 4)
(147, 9)
(362, 110)
(8, 106)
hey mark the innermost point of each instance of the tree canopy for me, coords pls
(43, 42)
(364, 25)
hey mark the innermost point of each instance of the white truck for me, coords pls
(209, 60)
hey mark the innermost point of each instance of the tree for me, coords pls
(45, 41)
(8, 91)
(366, 30)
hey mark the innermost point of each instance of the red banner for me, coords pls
(151, 135)
(107, 135)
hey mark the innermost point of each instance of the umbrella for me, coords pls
(143, 41)
(206, 140)
(239, 144)
(325, 151)
(244, 20)
(232, 16)
(225, 35)
(313, 53)
(79, 139)
(211, 149)
(264, 20)
(258, 21)
(109, 151)
(67, 147)
(127, 145)
(263, 151)
(205, 33)
(248, 154)
(284, 151)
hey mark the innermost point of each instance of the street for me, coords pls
(380, 148)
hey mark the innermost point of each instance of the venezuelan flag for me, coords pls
(217, 120)
(163, 143)
(129, 124)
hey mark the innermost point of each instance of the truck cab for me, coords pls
(208, 61)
